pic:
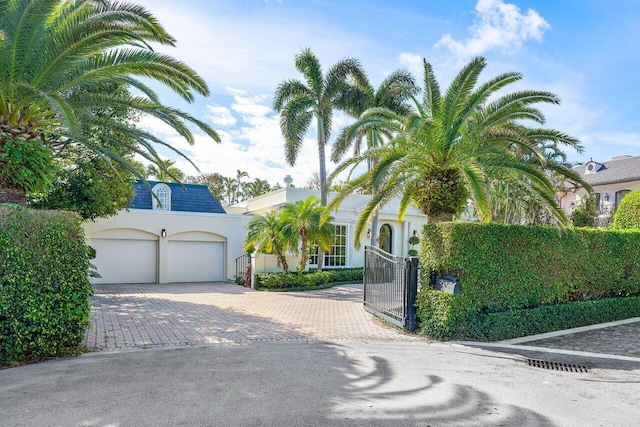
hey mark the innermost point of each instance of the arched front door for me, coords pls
(385, 238)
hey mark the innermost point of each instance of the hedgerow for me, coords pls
(312, 279)
(507, 269)
(44, 284)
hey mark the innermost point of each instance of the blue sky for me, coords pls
(585, 51)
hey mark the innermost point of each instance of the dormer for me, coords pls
(592, 167)
(162, 201)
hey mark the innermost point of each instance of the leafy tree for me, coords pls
(214, 181)
(454, 145)
(586, 213)
(49, 52)
(300, 102)
(165, 171)
(304, 217)
(628, 213)
(92, 188)
(270, 234)
(393, 94)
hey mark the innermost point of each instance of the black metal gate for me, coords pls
(390, 287)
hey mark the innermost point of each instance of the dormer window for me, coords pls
(592, 167)
(162, 199)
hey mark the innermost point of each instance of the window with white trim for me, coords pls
(619, 195)
(162, 199)
(337, 255)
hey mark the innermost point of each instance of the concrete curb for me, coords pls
(569, 331)
(503, 346)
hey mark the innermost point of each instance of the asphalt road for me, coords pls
(343, 383)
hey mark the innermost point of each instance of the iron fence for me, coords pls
(390, 287)
(242, 263)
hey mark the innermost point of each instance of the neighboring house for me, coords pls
(611, 181)
(184, 235)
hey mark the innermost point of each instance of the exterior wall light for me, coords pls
(368, 233)
(164, 233)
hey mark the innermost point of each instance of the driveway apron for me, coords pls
(141, 316)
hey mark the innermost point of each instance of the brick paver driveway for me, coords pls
(135, 316)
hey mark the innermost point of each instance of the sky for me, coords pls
(585, 51)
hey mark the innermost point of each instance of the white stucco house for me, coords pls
(185, 235)
(610, 180)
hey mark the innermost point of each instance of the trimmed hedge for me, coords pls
(518, 323)
(307, 280)
(506, 269)
(44, 284)
(628, 213)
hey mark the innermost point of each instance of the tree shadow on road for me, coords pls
(257, 384)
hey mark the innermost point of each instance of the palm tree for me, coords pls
(257, 187)
(269, 234)
(230, 186)
(451, 149)
(300, 102)
(165, 171)
(393, 94)
(49, 52)
(304, 216)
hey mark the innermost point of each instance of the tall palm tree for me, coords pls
(393, 94)
(230, 186)
(269, 234)
(49, 51)
(300, 102)
(449, 150)
(165, 171)
(305, 219)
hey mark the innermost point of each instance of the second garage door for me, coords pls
(191, 261)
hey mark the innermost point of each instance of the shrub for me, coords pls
(307, 280)
(506, 268)
(628, 213)
(585, 214)
(44, 284)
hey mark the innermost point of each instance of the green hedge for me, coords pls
(44, 284)
(505, 269)
(628, 213)
(307, 280)
(518, 323)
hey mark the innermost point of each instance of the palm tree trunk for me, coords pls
(282, 260)
(12, 194)
(305, 253)
(439, 217)
(323, 180)
(374, 221)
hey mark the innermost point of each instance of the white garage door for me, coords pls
(125, 261)
(196, 261)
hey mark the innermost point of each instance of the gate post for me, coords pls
(411, 291)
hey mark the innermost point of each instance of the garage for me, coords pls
(195, 261)
(125, 260)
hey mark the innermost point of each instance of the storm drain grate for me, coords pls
(557, 366)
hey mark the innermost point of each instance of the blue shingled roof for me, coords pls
(191, 198)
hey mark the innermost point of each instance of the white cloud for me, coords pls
(499, 25)
(255, 145)
(221, 116)
(246, 49)
(412, 62)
